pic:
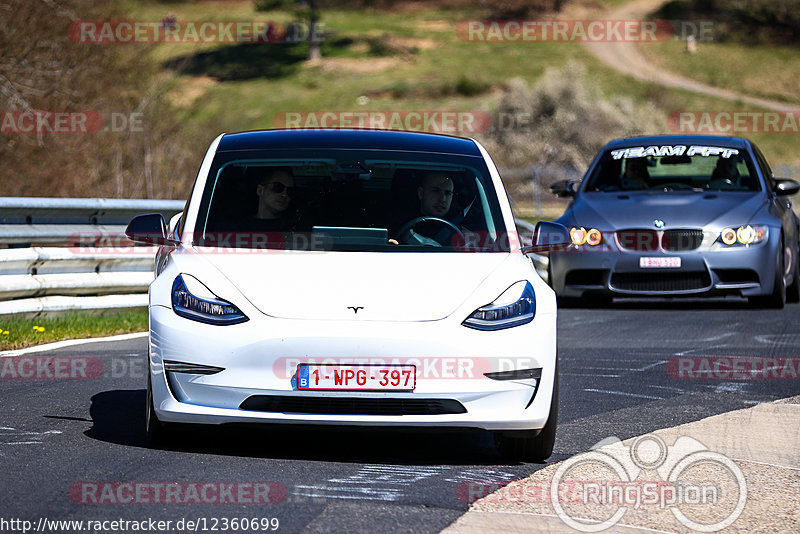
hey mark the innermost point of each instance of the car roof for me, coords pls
(349, 139)
(732, 142)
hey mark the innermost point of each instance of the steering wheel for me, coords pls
(401, 234)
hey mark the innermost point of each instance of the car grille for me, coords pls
(678, 240)
(638, 240)
(661, 282)
(351, 405)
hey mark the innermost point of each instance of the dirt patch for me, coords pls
(412, 43)
(357, 65)
(193, 89)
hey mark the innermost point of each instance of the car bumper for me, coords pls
(259, 358)
(744, 271)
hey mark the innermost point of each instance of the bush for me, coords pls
(562, 122)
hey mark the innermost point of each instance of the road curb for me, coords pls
(761, 441)
(69, 343)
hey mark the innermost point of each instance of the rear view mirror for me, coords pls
(548, 236)
(149, 229)
(785, 187)
(564, 188)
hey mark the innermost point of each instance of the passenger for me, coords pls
(725, 175)
(274, 192)
(636, 175)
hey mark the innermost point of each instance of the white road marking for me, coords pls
(717, 337)
(730, 387)
(482, 476)
(30, 438)
(369, 475)
(624, 394)
(590, 374)
(70, 343)
(337, 492)
(667, 388)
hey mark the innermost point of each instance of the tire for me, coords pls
(793, 291)
(778, 297)
(531, 445)
(157, 432)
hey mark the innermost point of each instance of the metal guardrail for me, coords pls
(53, 258)
(50, 261)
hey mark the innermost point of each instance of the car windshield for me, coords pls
(351, 200)
(674, 168)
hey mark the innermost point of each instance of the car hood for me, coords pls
(383, 286)
(611, 211)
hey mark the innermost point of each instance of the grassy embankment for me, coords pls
(16, 333)
(414, 60)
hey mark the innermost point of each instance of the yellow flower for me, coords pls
(5, 332)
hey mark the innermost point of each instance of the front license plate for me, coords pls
(330, 377)
(660, 263)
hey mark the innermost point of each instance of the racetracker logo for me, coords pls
(170, 30)
(704, 490)
(639, 31)
(734, 122)
(727, 368)
(70, 368)
(177, 492)
(69, 122)
(433, 121)
(103, 244)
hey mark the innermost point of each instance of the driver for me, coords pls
(435, 195)
(636, 175)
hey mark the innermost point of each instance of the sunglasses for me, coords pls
(278, 188)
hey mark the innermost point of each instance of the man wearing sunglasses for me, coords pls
(274, 192)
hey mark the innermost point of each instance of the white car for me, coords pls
(339, 277)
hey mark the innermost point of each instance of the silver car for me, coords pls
(679, 216)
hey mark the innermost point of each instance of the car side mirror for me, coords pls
(149, 229)
(785, 187)
(548, 236)
(564, 188)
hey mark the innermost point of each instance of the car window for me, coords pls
(352, 201)
(674, 168)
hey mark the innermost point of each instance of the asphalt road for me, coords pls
(67, 442)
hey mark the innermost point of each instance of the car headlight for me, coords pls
(581, 236)
(743, 235)
(192, 300)
(516, 306)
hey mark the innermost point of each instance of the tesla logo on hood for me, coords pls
(658, 223)
(355, 308)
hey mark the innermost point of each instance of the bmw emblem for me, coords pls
(658, 223)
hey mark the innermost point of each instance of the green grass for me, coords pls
(771, 72)
(411, 60)
(21, 332)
